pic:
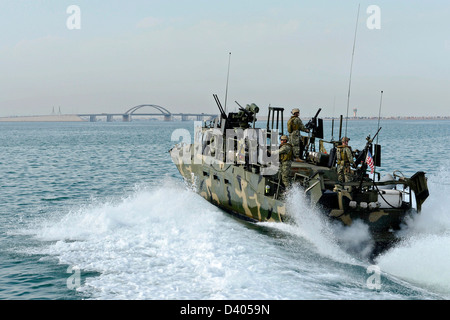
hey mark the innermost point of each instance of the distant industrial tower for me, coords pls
(354, 112)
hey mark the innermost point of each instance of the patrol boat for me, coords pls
(231, 165)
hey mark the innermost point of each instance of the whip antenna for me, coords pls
(379, 111)
(377, 147)
(351, 69)
(228, 76)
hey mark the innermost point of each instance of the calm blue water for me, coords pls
(102, 204)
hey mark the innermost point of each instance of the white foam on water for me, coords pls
(138, 242)
(167, 242)
(423, 258)
(330, 239)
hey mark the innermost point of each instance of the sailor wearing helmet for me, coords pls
(285, 153)
(295, 125)
(344, 160)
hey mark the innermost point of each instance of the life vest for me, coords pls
(342, 155)
(287, 156)
(293, 125)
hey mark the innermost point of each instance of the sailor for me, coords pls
(295, 125)
(344, 160)
(285, 153)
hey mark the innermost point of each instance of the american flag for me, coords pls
(369, 161)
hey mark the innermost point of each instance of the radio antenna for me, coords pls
(228, 76)
(351, 69)
(379, 111)
(377, 149)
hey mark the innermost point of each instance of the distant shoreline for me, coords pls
(49, 118)
(394, 118)
(76, 118)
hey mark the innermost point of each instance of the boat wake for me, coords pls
(351, 245)
(421, 258)
(423, 255)
(157, 243)
(166, 242)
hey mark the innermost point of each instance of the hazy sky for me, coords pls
(175, 54)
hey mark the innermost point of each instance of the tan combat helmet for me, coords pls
(345, 139)
(283, 138)
(295, 110)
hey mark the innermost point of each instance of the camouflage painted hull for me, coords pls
(252, 196)
(232, 188)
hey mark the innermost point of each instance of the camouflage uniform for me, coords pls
(294, 125)
(344, 160)
(285, 153)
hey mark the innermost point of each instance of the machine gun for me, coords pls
(377, 154)
(315, 126)
(361, 157)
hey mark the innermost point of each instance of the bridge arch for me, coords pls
(163, 110)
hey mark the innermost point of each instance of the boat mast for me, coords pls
(351, 69)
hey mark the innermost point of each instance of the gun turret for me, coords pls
(244, 117)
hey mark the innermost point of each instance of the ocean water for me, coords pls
(98, 211)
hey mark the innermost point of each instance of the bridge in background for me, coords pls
(161, 111)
